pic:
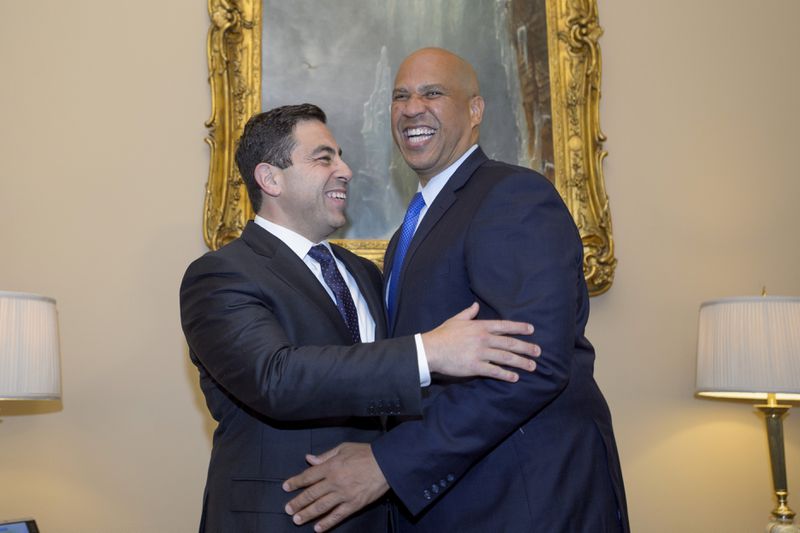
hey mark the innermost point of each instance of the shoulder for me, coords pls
(519, 197)
(232, 257)
(496, 185)
(497, 174)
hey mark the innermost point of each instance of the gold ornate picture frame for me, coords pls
(234, 62)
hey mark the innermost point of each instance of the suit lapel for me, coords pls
(372, 297)
(284, 264)
(388, 257)
(444, 200)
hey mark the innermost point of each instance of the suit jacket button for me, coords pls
(450, 477)
(443, 483)
(427, 495)
(435, 488)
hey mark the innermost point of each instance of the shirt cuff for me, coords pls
(422, 360)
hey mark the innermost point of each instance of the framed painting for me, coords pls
(538, 64)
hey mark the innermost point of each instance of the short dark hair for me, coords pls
(268, 138)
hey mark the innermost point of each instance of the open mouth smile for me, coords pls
(336, 195)
(418, 135)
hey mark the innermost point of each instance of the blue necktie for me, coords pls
(406, 234)
(333, 278)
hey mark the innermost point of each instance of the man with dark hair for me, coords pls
(282, 327)
(538, 456)
(267, 137)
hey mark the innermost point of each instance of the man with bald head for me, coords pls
(536, 456)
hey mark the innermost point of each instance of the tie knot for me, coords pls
(321, 254)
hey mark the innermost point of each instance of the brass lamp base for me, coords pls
(783, 516)
(776, 526)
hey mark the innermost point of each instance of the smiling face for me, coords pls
(310, 195)
(436, 110)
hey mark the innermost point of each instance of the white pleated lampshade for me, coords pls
(749, 347)
(29, 349)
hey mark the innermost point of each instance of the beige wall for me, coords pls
(102, 168)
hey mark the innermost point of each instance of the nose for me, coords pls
(413, 106)
(344, 173)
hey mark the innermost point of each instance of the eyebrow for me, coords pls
(325, 149)
(420, 89)
(437, 86)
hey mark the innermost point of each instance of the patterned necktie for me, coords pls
(333, 278)
(404, 239)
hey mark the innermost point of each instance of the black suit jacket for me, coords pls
(534, 456)
(279, 378)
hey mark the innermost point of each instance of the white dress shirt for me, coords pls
(300, 246)
(435, 185)
(366, 324)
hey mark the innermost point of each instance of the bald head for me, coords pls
(449, 64)
(436, 110)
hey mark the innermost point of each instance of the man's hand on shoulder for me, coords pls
(464, 347)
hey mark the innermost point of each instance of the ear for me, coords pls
(268, 179)
(476, 105)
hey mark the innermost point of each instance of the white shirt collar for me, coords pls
(298, 244)
(435, 185)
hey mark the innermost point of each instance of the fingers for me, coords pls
(308, 499)
(319, 459)
(314, 509)
(336, 513)
(508, 327)
(508, 359)
(469, 313)
(307, 477)
(493, 358)
(500, 363)
(347, 479)
(497, 372)
(514, 346)
(334, 517)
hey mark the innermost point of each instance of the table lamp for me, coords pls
(29, 351)
(749, 348)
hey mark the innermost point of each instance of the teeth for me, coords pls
(338, 195)
(413, 132)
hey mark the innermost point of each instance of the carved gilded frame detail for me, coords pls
(234, 65)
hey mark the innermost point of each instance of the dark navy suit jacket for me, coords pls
(486, 456)
(269, 345)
